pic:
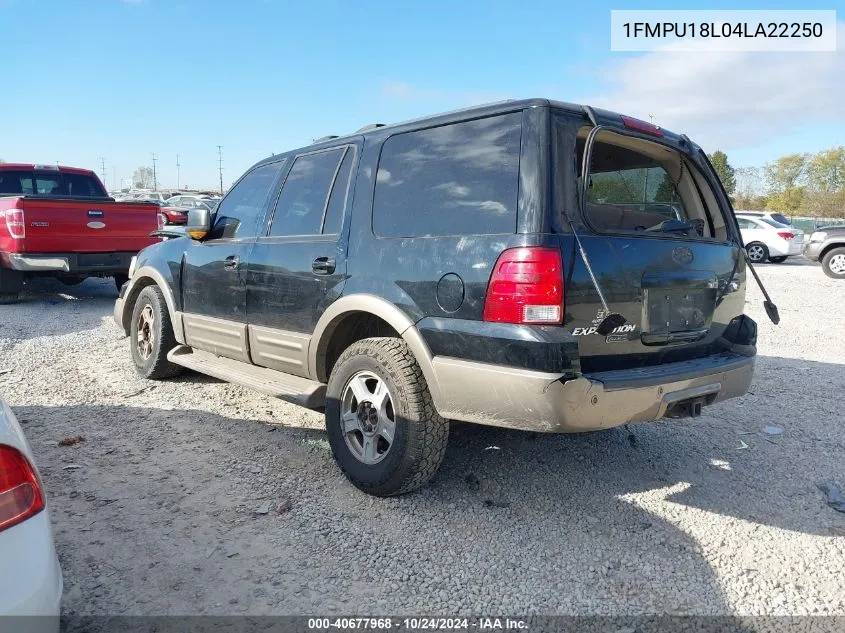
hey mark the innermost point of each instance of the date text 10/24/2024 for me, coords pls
(416, 624)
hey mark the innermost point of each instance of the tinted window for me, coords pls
(337, 201)
(299, 210)
(49, 184)
(745, 224)
(451, 180)
(777, 217)
(239, 213)
(82, 186)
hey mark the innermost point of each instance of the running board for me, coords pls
(301, 391)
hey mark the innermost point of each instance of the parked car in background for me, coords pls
(185, 200)
(60, 222)
(178, 214)
(768, 240)
(772, 215)
(455, 286)
(828, 246)
(30, 576)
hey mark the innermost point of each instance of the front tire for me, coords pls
(384, 431)
(833, 263)
(778, 260)
(757, 252)
(151, 335)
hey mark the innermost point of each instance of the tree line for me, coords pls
(811, 185)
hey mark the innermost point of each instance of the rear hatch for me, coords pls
(660, 237)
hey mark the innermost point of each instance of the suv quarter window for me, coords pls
(239, 213)
(455, 179)
(303, 200)
(337, 199)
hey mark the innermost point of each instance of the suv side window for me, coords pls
(337, 200)
(456, 179)
(305, 194)
(239, 213)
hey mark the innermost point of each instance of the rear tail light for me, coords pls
(786, 235)
(526, 286)
(21, 495)
(15, 223)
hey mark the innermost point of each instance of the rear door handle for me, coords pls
(231, 262)
(323, 266)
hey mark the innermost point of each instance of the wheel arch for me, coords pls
(830, 247)
(353, 307)
(144, 277)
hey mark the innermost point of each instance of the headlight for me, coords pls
(818, 236)
(132, 263)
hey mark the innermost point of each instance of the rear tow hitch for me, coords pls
(687, 408)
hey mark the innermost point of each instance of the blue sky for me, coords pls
(123, 79)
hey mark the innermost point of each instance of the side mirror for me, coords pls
(199, 223)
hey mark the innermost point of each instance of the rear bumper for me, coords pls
(35, 586)
(813, 250)
(71, 263)
(539, 401)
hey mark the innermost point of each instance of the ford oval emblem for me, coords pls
(96, 225)
(682, 255)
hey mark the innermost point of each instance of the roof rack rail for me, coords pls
(325, 138)
(372, 126)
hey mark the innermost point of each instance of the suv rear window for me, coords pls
(47, 183)
(455, 179)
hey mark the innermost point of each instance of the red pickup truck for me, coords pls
(60, 222)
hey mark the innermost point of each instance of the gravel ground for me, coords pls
(155, 512)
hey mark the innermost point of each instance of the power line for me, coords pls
(178, 172)
(155, 186)
(220, 166)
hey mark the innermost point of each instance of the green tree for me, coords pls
(826, 171)
(786, 172)
(723, 168)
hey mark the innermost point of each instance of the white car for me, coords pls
(768, 240)
(30, 577)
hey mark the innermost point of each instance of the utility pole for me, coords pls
(220, 166)
(103, 167)
(155, 185)
(651, 118)
(178, 172)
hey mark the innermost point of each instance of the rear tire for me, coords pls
(778, 260)
(151, 336)
(833, 263)
(757, 252)
(377, 391)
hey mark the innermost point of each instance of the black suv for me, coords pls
(531, 264)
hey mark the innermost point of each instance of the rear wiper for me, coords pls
(673, 226)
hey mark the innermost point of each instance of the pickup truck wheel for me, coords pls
(383, 429)
(778, 260)
(151, 335)
(757, 252)
(833, 263)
